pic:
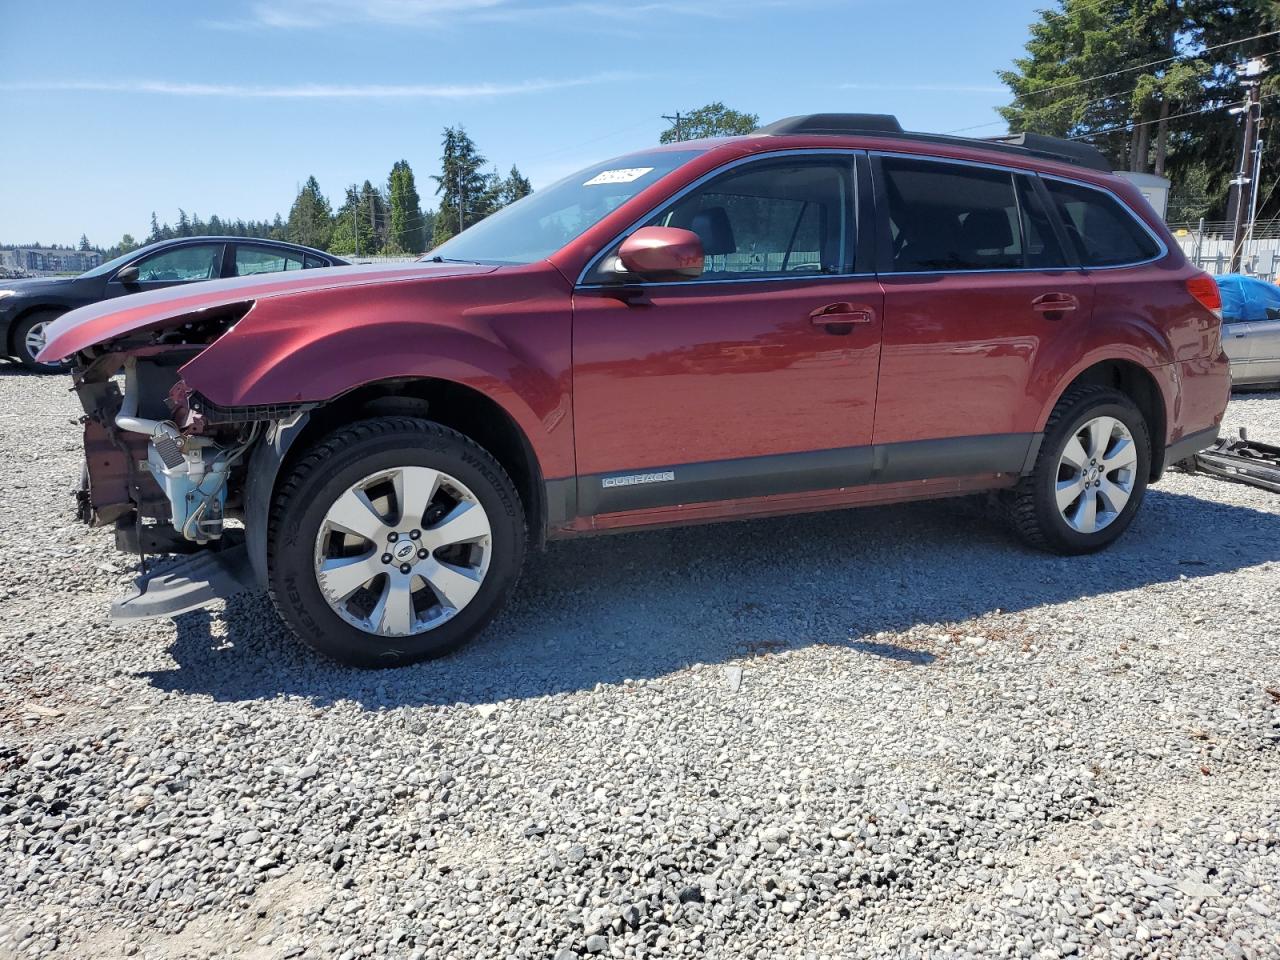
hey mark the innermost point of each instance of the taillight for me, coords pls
(1205, 289)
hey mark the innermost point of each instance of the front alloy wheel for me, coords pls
(393, 540)
(402, 551)
(29, 337)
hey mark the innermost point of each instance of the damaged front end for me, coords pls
(166, 468)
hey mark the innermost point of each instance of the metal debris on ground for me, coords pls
(1243, 460)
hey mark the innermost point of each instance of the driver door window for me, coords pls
(768, 219)
(182, 265)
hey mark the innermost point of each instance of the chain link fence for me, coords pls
(1208, 245)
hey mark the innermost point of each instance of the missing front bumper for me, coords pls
(187, 585)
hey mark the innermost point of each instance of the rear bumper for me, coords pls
(1190, 445)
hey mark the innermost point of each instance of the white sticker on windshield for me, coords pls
(628, 175)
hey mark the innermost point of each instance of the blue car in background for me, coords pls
(1251, 329)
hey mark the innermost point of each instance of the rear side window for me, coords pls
(953, 217)
(251, 260)
(1105, 232)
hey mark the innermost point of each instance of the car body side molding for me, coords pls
(670, 485)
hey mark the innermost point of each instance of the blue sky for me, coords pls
(112, 110)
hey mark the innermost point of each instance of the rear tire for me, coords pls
(28, 339)
(381, 462)
(1090, 475)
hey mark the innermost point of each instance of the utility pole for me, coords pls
(355, 224)
(1250, 73)
(460, 226)
(677, 119)
(1257, 183)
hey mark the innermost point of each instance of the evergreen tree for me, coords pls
(465, 192)
(373, 206)
(353, 230)
(84, 244)
(712, 120)
(1169, 118)
(515, 186)
(184, 223)
(406, 218)
(154, 235)
(310, 218)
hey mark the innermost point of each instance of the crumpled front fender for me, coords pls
(312, 348)
(171, 306)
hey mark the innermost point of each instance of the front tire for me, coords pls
(29, 340)
(393, 540)
(1090, 475)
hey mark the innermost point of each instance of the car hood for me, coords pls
(109, 319)
(36, 284)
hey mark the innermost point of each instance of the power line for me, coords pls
(1176, 116)
(1151, 63)
(1116, 73)
(585, 143)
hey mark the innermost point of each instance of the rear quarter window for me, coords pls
(1103, 229)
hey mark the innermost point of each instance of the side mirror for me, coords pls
(662, 253)
(127, 274)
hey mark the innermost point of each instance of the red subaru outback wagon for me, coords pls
(826, 313)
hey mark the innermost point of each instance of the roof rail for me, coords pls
(1026, 144)
(833, 123)
(1073, 151)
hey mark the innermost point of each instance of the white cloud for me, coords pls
(927, 87)
(301, 14)
(316, 91)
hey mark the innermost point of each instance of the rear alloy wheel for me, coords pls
(1096, 474)
(29, 338)
(393, 540)
(1090, 475)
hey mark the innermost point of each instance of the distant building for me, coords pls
(38, 261)
(1154, 189)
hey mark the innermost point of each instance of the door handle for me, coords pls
(1054, 303)
(842, 313)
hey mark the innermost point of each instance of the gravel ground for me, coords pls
(880, 732)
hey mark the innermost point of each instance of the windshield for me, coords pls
(537, 226)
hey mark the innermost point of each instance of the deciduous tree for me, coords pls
(711, 120)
